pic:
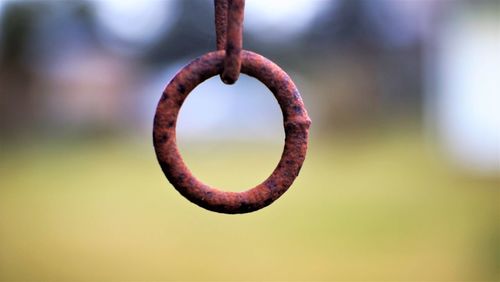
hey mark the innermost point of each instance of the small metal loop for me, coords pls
(295, 119)
(229, 32)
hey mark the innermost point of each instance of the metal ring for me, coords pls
(296, 123)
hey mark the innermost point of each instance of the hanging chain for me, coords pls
(229, 29)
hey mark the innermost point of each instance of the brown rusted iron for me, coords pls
(229, 29)
(296, 124)
(228, 62)
(221, 7)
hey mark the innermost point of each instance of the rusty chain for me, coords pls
(227, 62)
(229, 33)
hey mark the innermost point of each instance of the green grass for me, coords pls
(380, 209)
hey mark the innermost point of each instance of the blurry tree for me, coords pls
(17, 101)
(360, 76)
(21, 102)
(192, 35)
(350, 67)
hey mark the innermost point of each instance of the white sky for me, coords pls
(281, 19)
(134, 20)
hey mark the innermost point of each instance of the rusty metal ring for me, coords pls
(296, 123)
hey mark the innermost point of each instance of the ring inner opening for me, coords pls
(231, 136)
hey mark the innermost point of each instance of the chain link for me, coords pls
(229, 32)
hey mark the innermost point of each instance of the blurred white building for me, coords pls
(463, 105)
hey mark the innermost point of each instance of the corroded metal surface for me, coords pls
(229, 32)
(221, 7)
(296, 124)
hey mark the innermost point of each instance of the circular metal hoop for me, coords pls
(296, 123)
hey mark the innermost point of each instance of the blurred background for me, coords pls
(401, 181)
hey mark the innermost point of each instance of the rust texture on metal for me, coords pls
(221, 7)
(229, 32)
(296, 125)
(227, 62)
